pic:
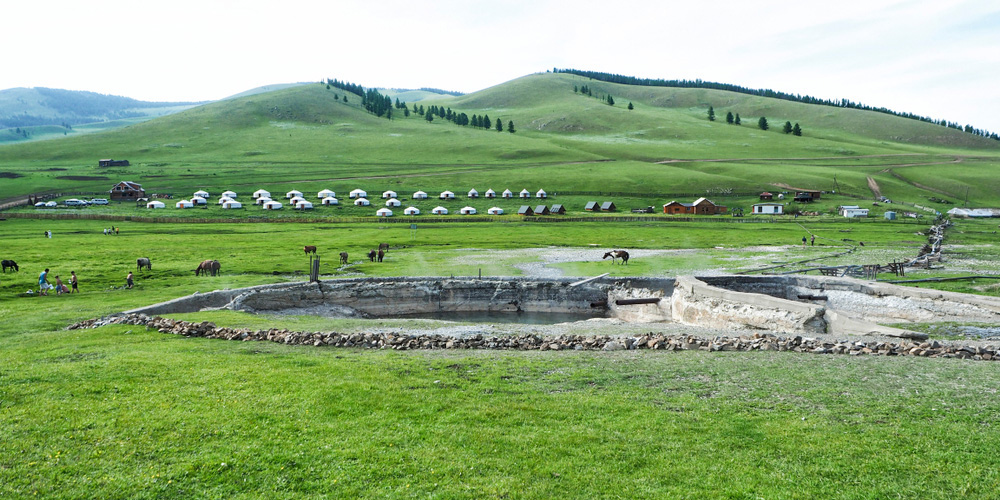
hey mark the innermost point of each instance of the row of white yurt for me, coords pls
(385, 212)
(201, 193)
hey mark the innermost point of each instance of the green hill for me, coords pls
(308, 136)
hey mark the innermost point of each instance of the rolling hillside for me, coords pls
(564, 140)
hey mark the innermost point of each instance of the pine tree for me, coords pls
(485, 121)
(729, 117)
(787, 128)
(737, 121)
(429, 117)
(796, 130)
(406, 112)
(388, 113)
(575, 89)
(510, 126)
(630, 107)
(762, 123)
(345, 97)
(611, 100)
(499, 125)
(711, 114)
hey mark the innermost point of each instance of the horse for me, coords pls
(207, 267)
(371, 255)
(380, 255)
(310, 249)
(9, 263)
(343, 258)
(383, 246)
(143, 262)
(615, 255)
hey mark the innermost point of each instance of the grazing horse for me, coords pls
(143, 262)
(383, 246)
(310, 249)
(207, 267)
(343, 257)
(9, 263)
(371, 255)
(380, 255)
(615, 255)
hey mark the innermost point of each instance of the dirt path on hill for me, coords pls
(873, 186)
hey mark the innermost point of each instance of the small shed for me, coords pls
(855, 213)
(326, 193)
(260, 193)
(184, 204)
(272, 205)
(411, 211)
(524, 194)
(446, 195)
(198, 200)
(541, 194)
(525, 210)
(843, 208)
(473, 193)
(765, 196)
(557, 209)
(383, 212)
(201, 193)
(293, 194)
(232, 204)
(420, 195)
(890, 215)
(358, 193)
(608, 206)
(768, 209)
(262, 200)
(592, 206)
(303, 205)
(389, 194)
(507, 194)
(804, 197)
(495, 211)
(156, 204)
(362, 202)
(439, 211)
(467, 211)
(229, 194)
(541, 210)
(330, 200)
(392, 202)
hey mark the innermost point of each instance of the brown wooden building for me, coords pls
(701, 206)
(127, 190)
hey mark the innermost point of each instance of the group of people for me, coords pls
(111, 230)
(44, 286)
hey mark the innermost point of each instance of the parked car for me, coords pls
(40, 204)
(51, 204)
(99, 201)
(73, 202)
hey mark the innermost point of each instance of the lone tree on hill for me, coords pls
(762, 123)
(729, 117)
(796, 130)
(510, 126)
(711, 114)
(737, 120)
(630, 107)
(787, 128)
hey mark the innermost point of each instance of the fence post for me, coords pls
(314, 271)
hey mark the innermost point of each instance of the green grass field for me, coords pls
(122, 412)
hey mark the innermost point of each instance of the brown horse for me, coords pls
(310, 249)
(615, 255)
(343, 258)
(383, 246)
(208, 267)
(371, 255)
(380, 255)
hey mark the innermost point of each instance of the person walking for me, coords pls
(72, 282)
(43, 282)
(812, 240)
(128, 280)
(803, 242)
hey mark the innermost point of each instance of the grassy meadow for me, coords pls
(122, 412)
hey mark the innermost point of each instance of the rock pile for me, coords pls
(398, 341)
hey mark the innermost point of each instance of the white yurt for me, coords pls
(293, 194)
(262, 200)
(304, 205)
(383, 212)
(156, 204)
(525, 194)
(541, 194)
(330, 200)
(495, 211)
(439, 211)
(392, 202)
(198, 200)
(272, 205)
(507, 194)
(362, 202)
(358, 193)
(388, 194)
(229, 194)
(295, 200)
(201, 193)
(260, 193)
(232, 204)
(184, 204)
(326, 193)
(420, 195)
(490, 193)
(446, 195)
(411, 211)
(224, 199)
(473, 193)
(468, 211)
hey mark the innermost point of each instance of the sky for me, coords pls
(935, 58)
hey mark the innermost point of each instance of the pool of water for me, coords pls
(524, 317)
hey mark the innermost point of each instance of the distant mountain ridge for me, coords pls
(39, 106)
